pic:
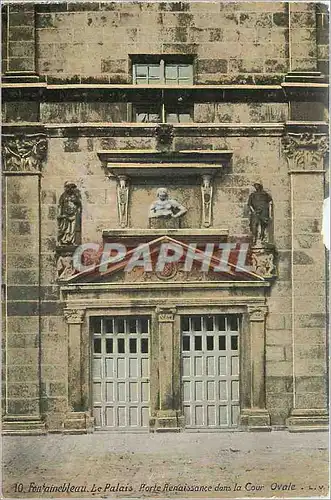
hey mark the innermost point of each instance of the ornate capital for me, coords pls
(257, 313)
(24, 153)
(166, 315)
(74, 316)
(306, 150)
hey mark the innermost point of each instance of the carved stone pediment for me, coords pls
(170, 272)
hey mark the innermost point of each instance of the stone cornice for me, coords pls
(145, 129)
(195, 285)
(102, 129)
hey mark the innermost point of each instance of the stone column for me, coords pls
(167, 412)
(23, 156)
(305, 153)
(253, 413)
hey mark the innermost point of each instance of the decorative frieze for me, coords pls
(74, 316)
(306, 150)
(24, 153)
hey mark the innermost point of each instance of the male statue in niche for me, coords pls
(260, 207)
(165, 212)
(69, 215)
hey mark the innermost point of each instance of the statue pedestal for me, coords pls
(263, 259)
(164, 223)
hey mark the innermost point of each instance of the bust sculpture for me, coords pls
(69, 215)
(165, 211)
(260, 207)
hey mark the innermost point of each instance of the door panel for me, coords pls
(120, 371)
(210, 371)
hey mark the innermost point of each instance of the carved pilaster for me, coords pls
(123, 199)
(253, 413)
(74, 316)
(166, 414)
(305, 151)
(24, 153)
(76, 359)
(207, 197)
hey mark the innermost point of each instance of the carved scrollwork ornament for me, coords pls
(74, 316)
(24, 153)
(257, 313)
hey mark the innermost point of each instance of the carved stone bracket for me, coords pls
(257, 312)
(263, 260)
(165, 315)
(207, 197)
(123, 199)
(306, 150)
(74, 316)
(24, 153)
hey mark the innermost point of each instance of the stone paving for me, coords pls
(192, 465)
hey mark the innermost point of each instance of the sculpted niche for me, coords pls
(165, 212)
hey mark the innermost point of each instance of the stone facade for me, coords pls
(258, 104)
